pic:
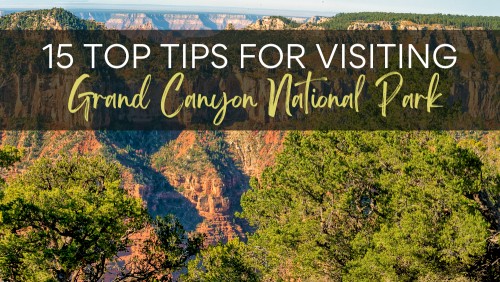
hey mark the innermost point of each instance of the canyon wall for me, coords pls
(199, 176)
(168, 21)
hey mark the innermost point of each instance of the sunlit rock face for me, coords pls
(169, 21)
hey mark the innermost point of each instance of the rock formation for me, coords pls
(199, 176)
(171, 21)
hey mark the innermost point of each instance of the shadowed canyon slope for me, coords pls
(198, 176)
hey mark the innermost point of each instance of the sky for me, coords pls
(463, 7)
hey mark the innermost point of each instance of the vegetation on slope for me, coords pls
(343, 20)
(288, 22)
(67, 219)
(55, 18)
(371, 206)
(347, 206)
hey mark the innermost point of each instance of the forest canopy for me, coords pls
(375, 206)
(342, 20)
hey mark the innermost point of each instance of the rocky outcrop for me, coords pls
(282, 23)
(255, 150)
(317, 20)
(46, 22)
(198, 165)
(382, 25)
(46, 19)
(212, 170)
(299, 20)
(309, 26)
(268, 23)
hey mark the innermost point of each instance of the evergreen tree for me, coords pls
(223, 262)
(343, 20)
(360, 206)
(167, 249)
(63, 220)
(8, 156)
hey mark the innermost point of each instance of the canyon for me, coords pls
(135, 20)
(197, 175)
(171, 21)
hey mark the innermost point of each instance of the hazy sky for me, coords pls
(467, 7)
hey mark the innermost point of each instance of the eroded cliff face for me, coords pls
(212, 170)
(169, 21)
(286, 23)
(255, 150)
(32, 94)
(268, 23)
(317, 20)
(198, 176)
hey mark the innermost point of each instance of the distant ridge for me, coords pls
(167, 20)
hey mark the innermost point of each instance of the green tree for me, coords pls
(166, 250)
(360, 206)
(343, 20)
(8, 156)
(65, 220)
(223, 262)
(40, 20)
